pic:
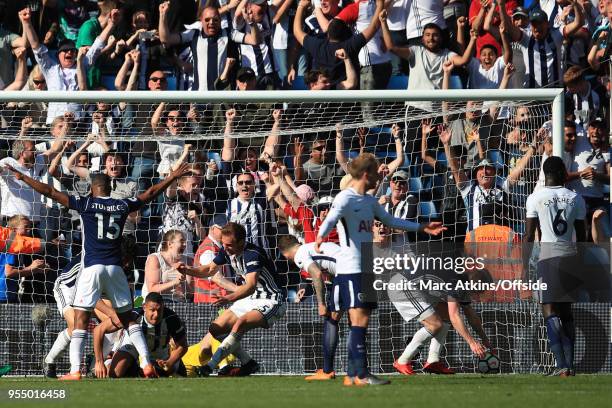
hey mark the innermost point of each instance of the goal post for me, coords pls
(283, 122)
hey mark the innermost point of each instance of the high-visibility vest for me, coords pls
(206, 291)
(18, 244)
(501, 250)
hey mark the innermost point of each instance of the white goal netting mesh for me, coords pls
(286, 146)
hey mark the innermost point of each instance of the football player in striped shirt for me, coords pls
(258, 302)
(317, 265)
(354, 212)
(159, 324)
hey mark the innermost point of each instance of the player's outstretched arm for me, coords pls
(106, 326)
(203, 271)
(476, 324)
(431, 228)
(158, 188)
(457, 322)
(176, 354)
(319, 287)
(224, 283)
(42, 188)
(242, 291)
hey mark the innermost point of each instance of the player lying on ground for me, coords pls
(103, 219)
(160, 325)
(317, 265)
(63, 292)
(559, 212)
(259, 302)
(357, 210)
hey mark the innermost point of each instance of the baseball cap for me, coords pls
(218, 220)
(258, 2)
(537, 16)
(484, 163)
(245, 73)
(597, 123)
(400, 175)
(520, 11)
(66, 45)
(325, 201)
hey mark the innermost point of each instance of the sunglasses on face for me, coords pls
(38, 81)
(157, 79)
(400, 182)
(245, 183)
(214, 19)
(70, 50)
(320, 148)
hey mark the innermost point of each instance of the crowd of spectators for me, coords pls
(470, 169)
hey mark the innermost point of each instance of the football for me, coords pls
(489, 364)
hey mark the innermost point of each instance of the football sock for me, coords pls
(350, 368)
(59, 345)
(77, 345)
(357, 347)
(420, 337)
(568, 339)
(330, 343)
(554, 329)
(226, 347)
(436, 343)
(139, 342)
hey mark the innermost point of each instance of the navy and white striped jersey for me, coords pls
(209, 55)
(542, 58)
(69, 273)
(326, 260)
(253, 216)
(254, 260)
(355, 213)
(102, 222)
(158, 336)
(485, 206)
(257, 57)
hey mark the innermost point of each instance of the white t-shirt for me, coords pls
(481, 78)
(585, 156)
(426, 71)
(556, 208)
(17, 197)
(326, 260)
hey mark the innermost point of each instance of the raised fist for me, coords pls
(25, 15)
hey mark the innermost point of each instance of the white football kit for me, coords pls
(326, 260)
(556, 208)
(354, 215)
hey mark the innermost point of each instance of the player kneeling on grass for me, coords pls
(559, 213)
(316, 264)
(166, 340)
(259, 302)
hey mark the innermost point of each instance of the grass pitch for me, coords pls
(475, 391)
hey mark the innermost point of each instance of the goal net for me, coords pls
(297, 146)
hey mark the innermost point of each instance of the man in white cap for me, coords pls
(400, 203)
